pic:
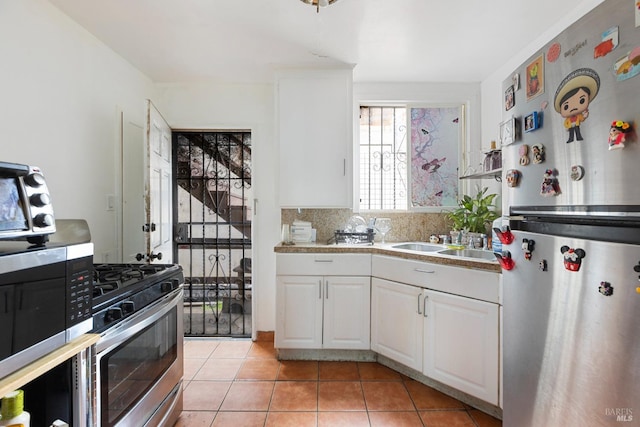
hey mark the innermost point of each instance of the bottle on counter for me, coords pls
(496, 244)
(12, 413)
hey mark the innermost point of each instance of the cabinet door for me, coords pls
(347, 312)
(396, 322)
(461, 344)
(298, 312)
(315, 117)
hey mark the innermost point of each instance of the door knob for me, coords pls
(157, 256)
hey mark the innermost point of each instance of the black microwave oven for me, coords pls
(25, 204)
(46, 298)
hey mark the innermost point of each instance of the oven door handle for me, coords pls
(138, 321)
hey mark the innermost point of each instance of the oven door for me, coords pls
(139, 364)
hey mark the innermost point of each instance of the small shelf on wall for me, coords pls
(495, 173)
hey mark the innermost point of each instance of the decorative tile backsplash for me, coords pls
(405, 226)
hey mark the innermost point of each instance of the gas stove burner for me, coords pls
(152, 268)
(125, 272)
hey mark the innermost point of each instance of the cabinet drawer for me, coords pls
(478, 284)
(324, 264)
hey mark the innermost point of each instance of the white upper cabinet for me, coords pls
(315, 133)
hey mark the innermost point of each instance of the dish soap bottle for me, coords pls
(496, 244)
(11, 411)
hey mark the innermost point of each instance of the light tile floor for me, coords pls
(240, 383)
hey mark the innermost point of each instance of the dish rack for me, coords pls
(341, 236)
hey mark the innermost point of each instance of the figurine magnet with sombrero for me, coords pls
(573, 96)
(617, 134)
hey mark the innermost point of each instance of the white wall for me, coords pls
(234, 106)
(60, 89)
(491, 87)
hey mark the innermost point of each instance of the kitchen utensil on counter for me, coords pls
(286, 235)
(383, 226)
(356, 224)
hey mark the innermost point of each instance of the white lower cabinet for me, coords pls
(299, 312)
(442, 321)
(329, 312)
(461, 343)
(397, 322)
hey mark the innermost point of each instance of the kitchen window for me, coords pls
(383, 158)
(409, 156)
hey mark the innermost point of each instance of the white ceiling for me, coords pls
(386, 40)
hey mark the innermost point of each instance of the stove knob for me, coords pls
(34, 180)
(43, 220)
(112, 314)
(166, 287)
(128, 307)
(40, 199)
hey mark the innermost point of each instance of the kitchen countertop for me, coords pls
(387, 249)
(33, 370)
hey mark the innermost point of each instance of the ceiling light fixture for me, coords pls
(319, 3)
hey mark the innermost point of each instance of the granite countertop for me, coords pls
(387, 249)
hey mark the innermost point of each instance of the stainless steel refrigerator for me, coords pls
(571, 258)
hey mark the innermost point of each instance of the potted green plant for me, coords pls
(474, 214)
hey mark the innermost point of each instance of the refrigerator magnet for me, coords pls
(523, 151)
(628, 66)
(605, 289)
(573, 96)
(513, 177)
(554, 52)
(508, 131)
(572, 257)
(542, 265)
(509, 98)
(535, 77)
(577, 172)
(617, 134)
(609, 42)
(527, 248)
(538, 153)
(532, 122)
(550, 186)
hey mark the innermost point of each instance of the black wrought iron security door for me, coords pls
(213, 231)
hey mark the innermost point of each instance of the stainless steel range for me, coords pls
(139, 357)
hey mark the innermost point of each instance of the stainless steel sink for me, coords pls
(469, 253)
(418, 246)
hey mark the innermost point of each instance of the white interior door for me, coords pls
(133, 178)
(157, 195)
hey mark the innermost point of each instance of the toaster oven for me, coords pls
(25, 204)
